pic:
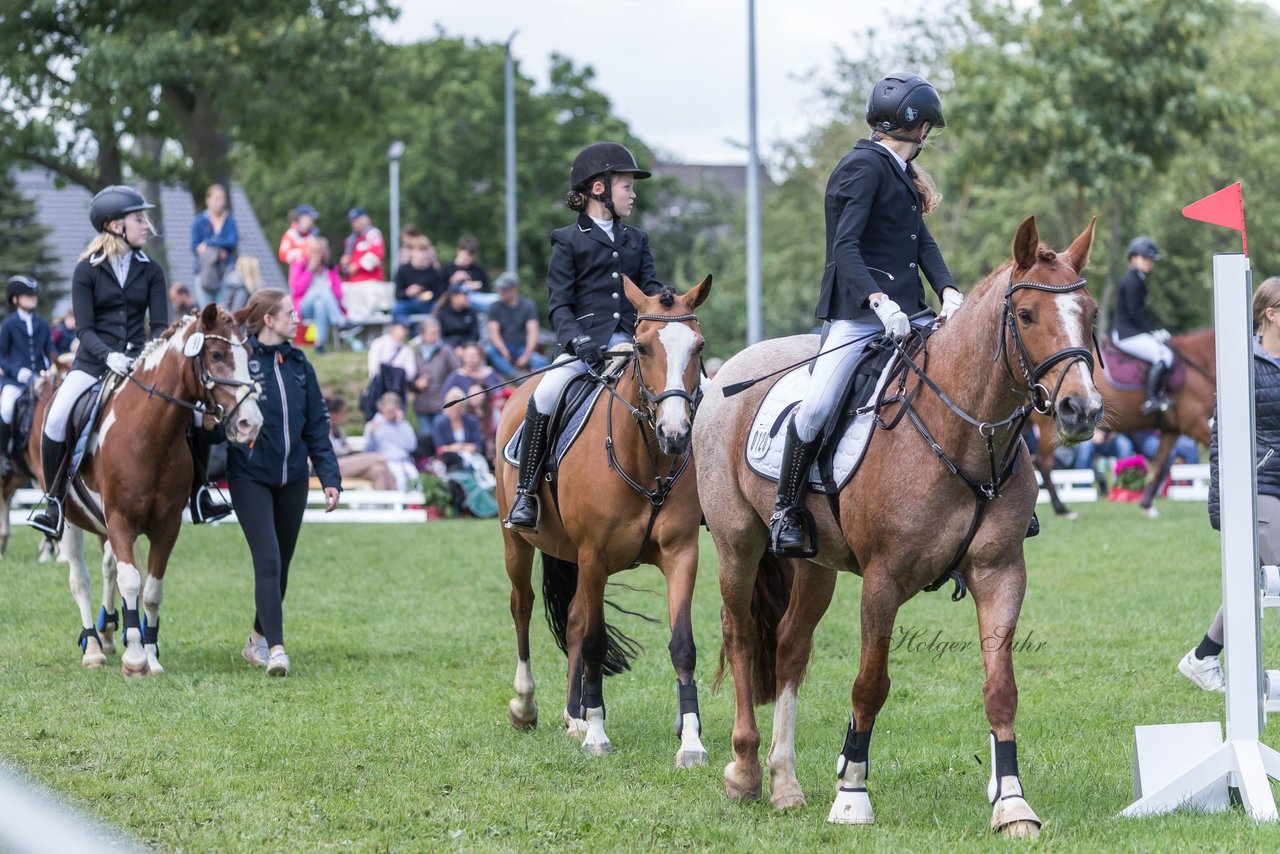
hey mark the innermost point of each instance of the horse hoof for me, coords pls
(786, 800)
(597, 748)
(575, 728)
(154, 668)
(1071, 516)
(134, 672)
(1021, 830)
(738, 789)
(1014, 818)
(93, 660)
(851, 806)
(691, 758)
(108, 646)
(517, 714)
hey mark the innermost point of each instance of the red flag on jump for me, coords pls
(1225, 208)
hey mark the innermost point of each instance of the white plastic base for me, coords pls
(851, 806)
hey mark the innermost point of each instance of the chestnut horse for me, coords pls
(1189, 414)
(137, 471)
(596, 522)
(913, 511)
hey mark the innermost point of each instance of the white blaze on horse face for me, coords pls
(678, 340)
(249, 410)
(1071, 310)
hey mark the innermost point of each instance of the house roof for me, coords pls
(64, 211)
(728, 178)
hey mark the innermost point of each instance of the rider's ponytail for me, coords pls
(930, 195)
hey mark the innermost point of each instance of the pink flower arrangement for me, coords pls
(1131, 472)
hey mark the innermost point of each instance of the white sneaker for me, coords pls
(1205, 672)
(255, 652)
(278, 664)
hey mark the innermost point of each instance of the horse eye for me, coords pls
(701, 345)
(1025, 316)
(641, 350)
(217, 356)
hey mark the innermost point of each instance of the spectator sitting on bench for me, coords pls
(419, 282)
(459, 324)
(457, 431)
(362, 465)
(513, 331)
(390, 434)
(317, 291)
(436, 361)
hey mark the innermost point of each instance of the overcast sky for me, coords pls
(675, 70)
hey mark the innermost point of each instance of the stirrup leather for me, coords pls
(526, 509)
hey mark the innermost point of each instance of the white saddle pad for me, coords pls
(769, 431)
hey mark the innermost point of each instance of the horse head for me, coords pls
(1048, 329)
(668, 342)
(221, 362)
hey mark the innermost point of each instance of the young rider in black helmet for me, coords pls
(26, 350)
(1135, 330)
(113, 289)
(588, 308)
(877, 247)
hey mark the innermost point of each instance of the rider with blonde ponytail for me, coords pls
(877, 247)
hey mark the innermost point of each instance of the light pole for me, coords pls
(394, 153)
(511, 156)
(755, 326)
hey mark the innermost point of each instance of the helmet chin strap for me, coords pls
(121, 235)
(606, 198)
(918, 140)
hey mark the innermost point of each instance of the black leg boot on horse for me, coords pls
(6, 463)
(204, 506)
(788, 536)
(51, 519)
(533, 447)
(1156, 401)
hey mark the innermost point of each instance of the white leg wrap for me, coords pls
(852, 804)
(596, 743)
(691, 752)
(522, 711)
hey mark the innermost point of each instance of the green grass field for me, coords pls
(392, 733)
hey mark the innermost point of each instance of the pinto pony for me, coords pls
(625, 494)
(1189, 414)
(137, 471)
(946, 486)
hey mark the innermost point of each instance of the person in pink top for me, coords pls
(364, 250)
(317, 291)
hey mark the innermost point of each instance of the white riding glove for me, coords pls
(896, 323)
(24, 375)
(951, 300)
(119, 363)
(1161, 335)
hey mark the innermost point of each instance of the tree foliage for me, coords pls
(23, 248)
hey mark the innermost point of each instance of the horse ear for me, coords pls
(638, 297)
(1078, 253)
(209, 317)
(698, 294)
(241, 317)
(1025, 244)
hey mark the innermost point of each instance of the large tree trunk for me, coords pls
(203, 138)
(149, 148)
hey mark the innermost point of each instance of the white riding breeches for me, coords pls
(1146, 347)
(8, 398)
(76, 383)
(552, 384)
(829, 373)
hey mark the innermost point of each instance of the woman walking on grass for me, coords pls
(268, 481)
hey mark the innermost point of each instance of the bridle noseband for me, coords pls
(1041, 399)
(208, 405)
(652, 400)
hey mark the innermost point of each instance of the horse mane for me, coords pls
(163, 339)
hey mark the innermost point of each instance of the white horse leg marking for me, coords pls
(134, 660)
(73, 545)
(691, 751)
(678, 340)
(523, 709)
(152, 596)
(784, 788)
(109, 593)
(595, 742)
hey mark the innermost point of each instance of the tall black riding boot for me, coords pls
(50, 520)
(533, 445)
(6, 464)
(1156, 401)
(204, 506)
(787, 533)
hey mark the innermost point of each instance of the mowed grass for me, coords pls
(392, 733)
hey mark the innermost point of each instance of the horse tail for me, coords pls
(559, 584)
(769, 601)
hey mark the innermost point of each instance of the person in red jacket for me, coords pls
(363, 251)
(293, 244)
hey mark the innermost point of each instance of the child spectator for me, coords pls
(390, 434)
(419, 281)
(293, 244)
(459, 324)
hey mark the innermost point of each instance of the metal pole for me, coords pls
(511, 156)
(394, 153)
(755, 325)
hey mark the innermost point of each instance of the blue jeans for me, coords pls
(320, 305)
(1183, 447)
(1117, 445)
(406, 308)
(480, 301)
(508, 369)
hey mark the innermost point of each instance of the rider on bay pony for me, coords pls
(26, 351)
(1135, 330)
(877, 247)
(589, 311)
(114, 289)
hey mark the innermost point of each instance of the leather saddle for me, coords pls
(1129, 373)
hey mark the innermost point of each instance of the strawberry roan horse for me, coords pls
(137, 474)
(601, 521)
(1020, 339)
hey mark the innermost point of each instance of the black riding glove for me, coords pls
(588, 351)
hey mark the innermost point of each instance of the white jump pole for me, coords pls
(1177, 765)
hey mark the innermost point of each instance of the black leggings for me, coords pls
(270, 517)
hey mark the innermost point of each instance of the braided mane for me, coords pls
(163, 339)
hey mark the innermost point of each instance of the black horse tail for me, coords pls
(769, 601)
(559, 584)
